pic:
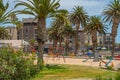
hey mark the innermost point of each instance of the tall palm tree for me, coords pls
(61, 20)
(95, 26)
(61, 28)
(53, 35)
(112, 15)
(68, 32)
(57, 25)
(78, 17)
(14, 20)
(40, 9)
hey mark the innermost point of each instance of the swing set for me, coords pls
(55, 53)
(107, 62)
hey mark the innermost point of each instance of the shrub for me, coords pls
(110, 67)
(16, 65)
(51, 66)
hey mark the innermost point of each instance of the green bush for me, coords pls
(51, 66)
(110, 67)
(16, 65)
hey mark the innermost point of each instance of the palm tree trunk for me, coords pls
(93, 48)
(55, 43)
(67, 44)
(76, 37)
(60, 42)
(94, 41)
(55, 46)
(113, 46)
(114, 33)
(41, 37)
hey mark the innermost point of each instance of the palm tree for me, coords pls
(61, 29)
(13, 20)
(61, 20)
(57, 25)
(4, 12)
(67, 32)
(4, 18)
(78, 17)
(3, 33)
(112, 15)
(40, 9)
(18, 24)
(94, 26)
(53, 35)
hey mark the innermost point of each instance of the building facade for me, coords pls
(12, 31)
(29, 29)
(105, 41)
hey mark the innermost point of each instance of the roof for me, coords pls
(9, 27)
(29, 20)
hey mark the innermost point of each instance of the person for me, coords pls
(99, 57)
(89, 53)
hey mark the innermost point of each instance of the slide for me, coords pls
(107, 63)
(85, 60)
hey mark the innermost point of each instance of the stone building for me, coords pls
(12, 31)
(105, 41)
(28, 30)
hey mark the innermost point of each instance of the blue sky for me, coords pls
(92, 7)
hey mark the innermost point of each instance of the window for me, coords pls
(18, 37)
(106, 42)
(35, 37)
(108, 38)
(100, 42)
(26, 31)
(35, 30)
(70, 41)
(100, 39)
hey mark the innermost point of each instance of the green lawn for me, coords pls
(64, 72)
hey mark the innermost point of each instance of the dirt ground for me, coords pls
(80, 61)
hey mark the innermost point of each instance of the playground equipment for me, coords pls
(71, 55)
(55, 53)
(88, 54)
(107, 62)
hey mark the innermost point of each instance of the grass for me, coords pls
(65, 72)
